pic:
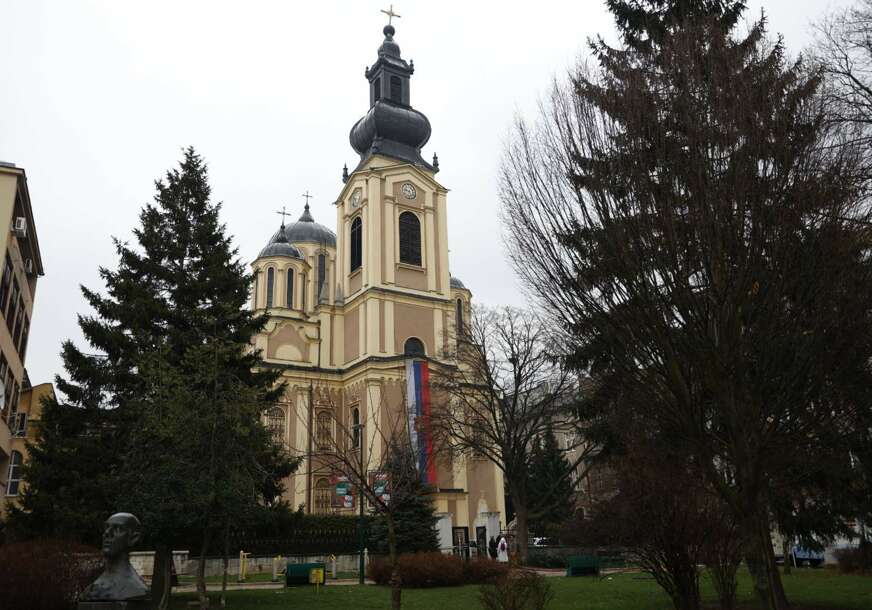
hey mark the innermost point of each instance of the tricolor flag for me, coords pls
(418, 410)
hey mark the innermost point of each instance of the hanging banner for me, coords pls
(343, 496)
(418, 411)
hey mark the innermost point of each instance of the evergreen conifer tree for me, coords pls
(550, 485)
(174, 393)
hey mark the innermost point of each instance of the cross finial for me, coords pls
(307, 196)
(390, 13)
(283, 214)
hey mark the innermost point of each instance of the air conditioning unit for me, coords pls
(20, 227)
(28, 266)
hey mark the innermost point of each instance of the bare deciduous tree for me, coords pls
(843, 48)
(378, 460)
(692, 220)
(508, 388)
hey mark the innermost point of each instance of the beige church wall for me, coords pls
(483, 479)
(352, 334)
(288, 343)
(408, 276)
(413, 321)
(355, 282)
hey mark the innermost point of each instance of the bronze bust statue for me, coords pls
(119, 581)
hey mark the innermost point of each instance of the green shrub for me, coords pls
(423, 570)
(521, 591)
(856, 559)
(45, 574)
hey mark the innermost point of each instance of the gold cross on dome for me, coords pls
(390, 13)
(283, 214)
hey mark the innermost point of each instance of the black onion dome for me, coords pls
(307, 230)
(391, 130)
(456, 283)
(278, 246)
(391, 127)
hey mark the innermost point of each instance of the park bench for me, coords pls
(298, 573)
(582, 565)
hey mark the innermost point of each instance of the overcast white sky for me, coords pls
(98, 97)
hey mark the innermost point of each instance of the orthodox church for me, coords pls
(359, 316)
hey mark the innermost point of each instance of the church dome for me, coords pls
(391, 127)
(456, 283)
(278, 246)
(307, 230)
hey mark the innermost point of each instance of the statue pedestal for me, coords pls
(140, 604)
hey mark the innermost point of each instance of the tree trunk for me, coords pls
(396, 579)
(522, 535)
(761, 563)
(785, 552)
(161, 584)
(201, 572)
(225, 562)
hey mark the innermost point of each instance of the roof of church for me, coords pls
(307, 230)
(456, 283)
(278, 246)
(391, 127)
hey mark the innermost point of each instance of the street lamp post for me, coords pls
(358, 437)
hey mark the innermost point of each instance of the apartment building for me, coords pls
(21, 268)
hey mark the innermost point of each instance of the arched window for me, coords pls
(458, 316)
(275, 422)
(324, 430)
(256, 286)
(355, 428)
(413, 347)
(356, 243)
(396, 89)
(322, 496)
(13, 477)
(410, 239)
(270, 286)
(322, 275)
(290, 291)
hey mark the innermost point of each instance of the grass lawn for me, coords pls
(805, 588)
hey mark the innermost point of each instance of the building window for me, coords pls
(355, 428)
(275, 423)
(396, 89)
(410, 239)
(324, 430)
(19, 322)
(20, 427)
(290, 291)
(323, 496)
(414, 347)
(22, 344)
(458, 316)
(5, 283)
(376, 90)
(13, 305)
(270, 286)
(356, 243)
(322, 275)
(13, 478)
(256, 286)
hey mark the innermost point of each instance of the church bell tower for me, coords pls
(391, 216)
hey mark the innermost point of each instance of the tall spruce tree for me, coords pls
(699, 229)
(550, 485)
(174, 386)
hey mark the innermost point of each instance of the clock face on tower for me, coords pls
(409, 191)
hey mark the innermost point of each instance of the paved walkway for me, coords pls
(247, 586)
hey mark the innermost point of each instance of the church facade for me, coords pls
(361, 316)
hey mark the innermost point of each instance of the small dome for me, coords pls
(456, 283)
(307, 230)
(389, 47)
(278, 246)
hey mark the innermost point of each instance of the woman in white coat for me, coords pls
(503, 550)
